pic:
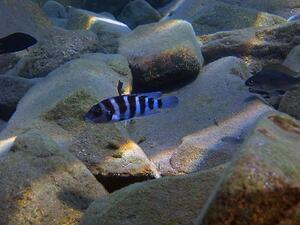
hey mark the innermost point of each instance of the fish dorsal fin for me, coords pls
(280, 68)
(156, 94)
(120, 87)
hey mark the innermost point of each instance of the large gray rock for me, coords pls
(56, 47)
(210, 16)
(60, 101)
(12, 90)
(22, 16)
(213, 109)
(138, 12)
(162, 54)
(41, 184)
(54, 9)
(262, 184)
(7, 62)
(171, 200)
(263, 45)
(293, 59)
(107, 29)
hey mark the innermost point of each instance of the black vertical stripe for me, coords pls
(142, 104)
(121, 103)
(151, 103)
(109, 106)
(132, 106)
(159, 103)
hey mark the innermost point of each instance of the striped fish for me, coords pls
(125, 107)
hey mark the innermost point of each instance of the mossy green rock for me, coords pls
(168, 201)
(22, 16)
(262, 185)
(162, 54)
(41, 184)
(210, 16)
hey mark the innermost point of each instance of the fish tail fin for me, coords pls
(169, 102)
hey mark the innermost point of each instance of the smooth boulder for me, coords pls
(138, 12)
(211, 16)
(262, 184)
(293, 58)
(56, 47)
(162, 54)
(12, 90)
(22, 16)
(54, 9)
(41, 184)
(169, 200)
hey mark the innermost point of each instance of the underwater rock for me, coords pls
(12, 90)
(162, 54)
(210, 16)
(107, 29)
(57, 47)
(293, 59)
(7, 62)
(138, 12)
(60, 101)
(59, 22)
(127, 165)
(22, 16)
(217, 101)
(258, 45)
(215, 106)
(169, 200)
(262, 184)
(290, 103)
(41, 184)
(279, 7)
(54, 9)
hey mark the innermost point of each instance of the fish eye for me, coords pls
(250, 82)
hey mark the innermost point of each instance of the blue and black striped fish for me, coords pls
(125, 107)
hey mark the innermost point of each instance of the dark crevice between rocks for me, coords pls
(114, 182)
(6, 112)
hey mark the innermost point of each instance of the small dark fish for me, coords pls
(125, 107)
(273, 78)
(16, 42)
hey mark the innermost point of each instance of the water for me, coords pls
(59, 58)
